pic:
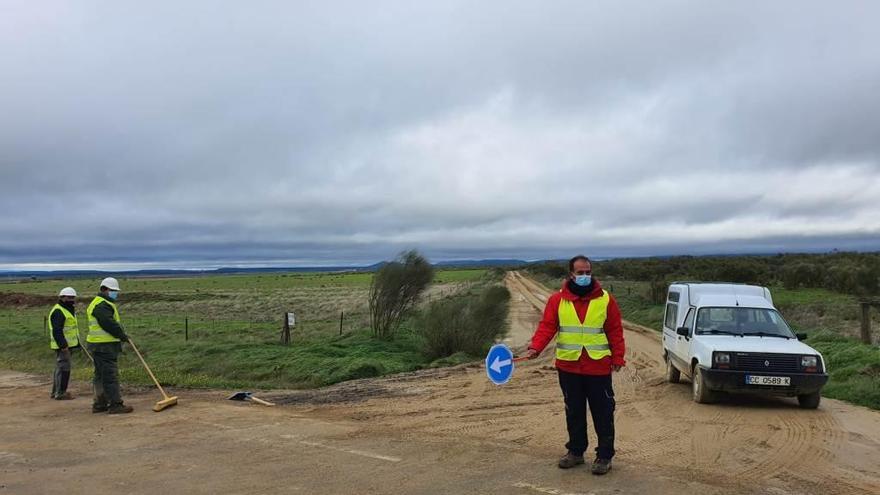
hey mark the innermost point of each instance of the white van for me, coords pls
(730, 338)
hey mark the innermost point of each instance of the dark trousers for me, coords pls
(106, 380)
(61, 377)
(578, 391)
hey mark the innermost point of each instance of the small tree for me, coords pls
(395, 289)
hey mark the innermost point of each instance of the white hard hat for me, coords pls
(67, 291)
(110, 283)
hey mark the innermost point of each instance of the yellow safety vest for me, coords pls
(97, 335)
(573, 336)
(71, 330)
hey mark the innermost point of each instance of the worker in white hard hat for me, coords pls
(105, 339)
(63, 336)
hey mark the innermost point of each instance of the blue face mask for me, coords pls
(113, 294)
(583, 280)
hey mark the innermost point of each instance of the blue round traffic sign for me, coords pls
(499, 364)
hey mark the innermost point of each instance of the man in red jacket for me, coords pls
(589, 344)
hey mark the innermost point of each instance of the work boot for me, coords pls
(570, 460)
(99, 408)
(64, 396)
(601, 466)
(120, 409)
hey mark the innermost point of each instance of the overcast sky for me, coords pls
(311, 133)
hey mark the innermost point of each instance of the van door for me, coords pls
(669, 336)
(683, 344)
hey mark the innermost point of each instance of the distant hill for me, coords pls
(51, 274)
(480, 263)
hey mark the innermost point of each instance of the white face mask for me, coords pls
(113, 294)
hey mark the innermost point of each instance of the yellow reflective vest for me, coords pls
(97, 335)
(574, 336)
(71, 330)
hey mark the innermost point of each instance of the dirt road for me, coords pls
(438, 431)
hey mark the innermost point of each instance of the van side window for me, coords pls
(674, 296)
(671, 310)
(689, 319)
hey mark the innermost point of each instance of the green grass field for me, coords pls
(234, 324)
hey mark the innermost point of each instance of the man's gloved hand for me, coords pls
(530, 353)
(66, 352)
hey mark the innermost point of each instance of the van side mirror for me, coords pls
(683, 331)
(801, 336)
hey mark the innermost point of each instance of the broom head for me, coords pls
(165, 403)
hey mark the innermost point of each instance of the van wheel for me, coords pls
(702, 395)
(809, 401)
(672, 373)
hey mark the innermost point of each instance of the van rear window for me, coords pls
(673, 296)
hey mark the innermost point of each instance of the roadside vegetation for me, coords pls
(224, 330)
(394, 291)
(829, 317)
(465, 325)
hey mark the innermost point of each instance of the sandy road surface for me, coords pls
(438, 431)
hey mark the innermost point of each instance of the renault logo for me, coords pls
(766, 363)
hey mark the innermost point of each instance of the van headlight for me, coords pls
(721, 358)
(809, 361)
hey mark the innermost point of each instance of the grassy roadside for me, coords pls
(234, 324)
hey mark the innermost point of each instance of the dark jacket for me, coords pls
(56, 323)
(103, 313)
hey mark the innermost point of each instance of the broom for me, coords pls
(167, 401)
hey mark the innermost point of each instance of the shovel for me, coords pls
(249, 396)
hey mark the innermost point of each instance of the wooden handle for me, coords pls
(83, 347)
(82, 344)
(147, 368)
(261, 401)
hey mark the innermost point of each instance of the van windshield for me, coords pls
(742, 321)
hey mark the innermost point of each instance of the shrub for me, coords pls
(464, 325)
(395, 289)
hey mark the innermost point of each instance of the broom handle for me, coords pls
(261, 401)
(83, 347)
(147, 368)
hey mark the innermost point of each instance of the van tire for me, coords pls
(809, 401)
(701, 394)
(672, 373)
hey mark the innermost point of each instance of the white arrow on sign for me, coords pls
(498, 364)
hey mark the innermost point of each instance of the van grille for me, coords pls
(774, 363)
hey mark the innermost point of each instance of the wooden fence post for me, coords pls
(341, 316)
(186, 328)
(285, 331)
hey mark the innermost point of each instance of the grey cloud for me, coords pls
(209, 132)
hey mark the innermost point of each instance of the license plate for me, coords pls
(779, 381)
